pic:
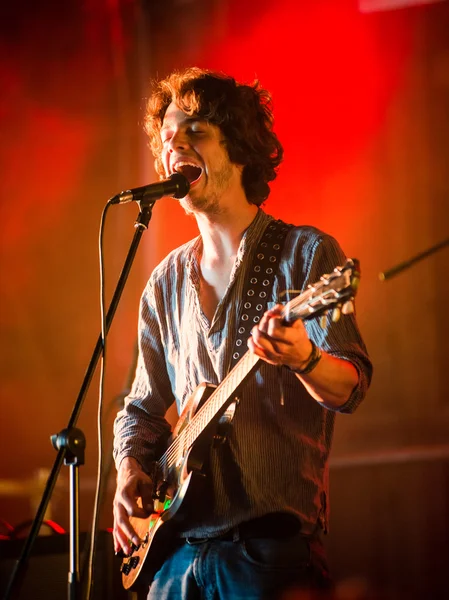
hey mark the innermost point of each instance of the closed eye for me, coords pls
(165, 139)
(193, 128)
(195, 131)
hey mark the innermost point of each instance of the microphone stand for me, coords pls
(70, 439)
(411, 261)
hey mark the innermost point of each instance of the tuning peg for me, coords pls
(336, 314)
(323, 319)
(348, 307)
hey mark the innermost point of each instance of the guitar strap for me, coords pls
(257, 291)
(259, 284)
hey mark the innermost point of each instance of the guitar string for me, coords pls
(186, 438)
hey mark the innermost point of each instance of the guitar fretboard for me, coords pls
(209, 410)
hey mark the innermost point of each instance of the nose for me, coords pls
(178, 141)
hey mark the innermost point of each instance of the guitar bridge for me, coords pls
(130, 564)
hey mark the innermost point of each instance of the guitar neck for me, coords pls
(223, 394)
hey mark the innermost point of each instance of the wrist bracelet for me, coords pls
(312, 361)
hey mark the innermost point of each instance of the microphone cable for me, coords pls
(99, 484)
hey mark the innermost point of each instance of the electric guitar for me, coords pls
(199, 423)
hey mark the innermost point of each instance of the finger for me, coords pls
(276, 310)
(123, 528)
(146, 494)
(134, 510)
(263, 323)
(262, 353)
(265, 350)
(277, 330)
(119, 540)
(270, 338)
(272, 324)
(128, 498)
(259, 337)
(121, 543)
(290, 334)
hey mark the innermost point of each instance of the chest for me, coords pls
(213, 286)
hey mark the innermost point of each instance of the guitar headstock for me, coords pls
(335, 291)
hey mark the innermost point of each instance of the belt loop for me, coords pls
(195, 541)
(236, 537)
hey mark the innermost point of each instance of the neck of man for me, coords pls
(222, 232)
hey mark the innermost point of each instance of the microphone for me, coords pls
(176, 186)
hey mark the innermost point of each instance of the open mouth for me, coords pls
(191, 172)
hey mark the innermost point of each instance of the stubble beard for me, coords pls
(209, 202)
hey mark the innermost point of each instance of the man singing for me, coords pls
(251, 527)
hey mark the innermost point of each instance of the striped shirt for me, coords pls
(275, 457)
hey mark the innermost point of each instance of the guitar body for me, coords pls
(158, 530)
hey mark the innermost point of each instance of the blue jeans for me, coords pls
(249, 569)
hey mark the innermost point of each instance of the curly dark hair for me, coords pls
(242, 112)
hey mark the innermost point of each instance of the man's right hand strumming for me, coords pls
(132, 483)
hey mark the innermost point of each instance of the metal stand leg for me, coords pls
(74, 442)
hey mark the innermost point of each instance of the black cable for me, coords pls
(98, 489)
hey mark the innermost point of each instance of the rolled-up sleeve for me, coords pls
(341, 339)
